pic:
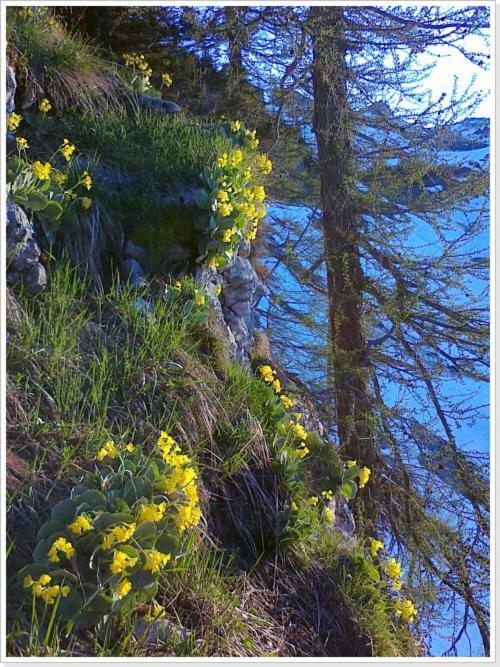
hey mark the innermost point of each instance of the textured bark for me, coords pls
(341, 227)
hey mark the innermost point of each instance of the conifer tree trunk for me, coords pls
(341, 227)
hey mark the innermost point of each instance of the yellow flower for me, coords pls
(288, 402)
(267, 373)
(235, 126)
(218, 290)
(302, 450)
(123, 588)
(236, 157)
(393, 569)
(155, 560)
(199, 298)
(397, 585)
(166, 79)
(22, 143)
(327, 495)
(406, 610)
(67, 149)
(62, 545)
(222, 196)
(259, 193)
(41, 581)
(86, 202)
(227, 236)
(375, 546)
(157, 611)
(13, 122)
(44, 106)
(80, 525)
(313, 501)
(109, 450)
(117, 534)
(328, 514)
(86, 180)
(364, 476)
(188, 516)
(41, 171)
(222, 160)
(153, 512)
(351, 464)
(130, 447)
(59, 177)
(293, 506)
(121, 562)
(225, 210)
(298, 430)
(264, 163)
(276, 385)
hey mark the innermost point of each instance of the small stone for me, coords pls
(133, 272)
(158, 105)
(35, 278)
(135, 251)
(10, 85)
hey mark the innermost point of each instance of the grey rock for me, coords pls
(35, 278)
(343, 518)
(176, 253)
(143, 306)
(133, 271)
(135, 251)
(158, 105)
(159, 631)
(23, 251)
(244, 248)
(10, 85)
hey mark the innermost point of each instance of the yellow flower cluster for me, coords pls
(327, 495)
(60, 545)
(364, 476)
(252, 140)
(80, 525)
(117, 534)
(110, 450)
(166, 79)
(40, 589)
(156, 611)
(121, 562)
(199, 297)
(86, 202)
(182, 478)
(288, 403)
(393, 569)
(328, 514)
(67, 149)
(13, 122)
(153, 512)
(268, 375)
(122, 588)
(235, 126)
(41, 171)
(375, 546)
(313, 501)
(22, 143)
(302, 450)
(45, 106)
(139, 61)
(405, 609)
(155, 560)
(265, 164)
(298, 430)
(86, 180)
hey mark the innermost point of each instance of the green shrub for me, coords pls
(103, 548)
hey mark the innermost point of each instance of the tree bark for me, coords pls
(341, 229)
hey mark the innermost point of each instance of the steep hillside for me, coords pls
(170, 491)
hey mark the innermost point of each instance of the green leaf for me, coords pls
(35, 200)
(40, 551)
(49, 528)
(52, 212)
(64, 511)
(168, 544)
(146, 534)
(201, 198)
(136, 488)
(142, 579)
(107, 519)
(87, 543)
(95, 499)
(349, 489)
(70, 606)
(350, 473)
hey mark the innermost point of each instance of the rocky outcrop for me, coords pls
(158, 105)
(10, 84)
(240, 290)
(23, 251)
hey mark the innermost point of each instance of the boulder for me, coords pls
(23, 251)
(10, 85)
(133, 271)
(158, 105)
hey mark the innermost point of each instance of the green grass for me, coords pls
(74, 72)
(161, 151)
